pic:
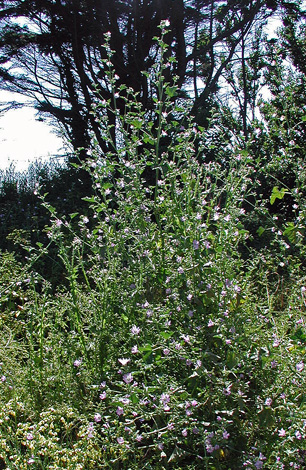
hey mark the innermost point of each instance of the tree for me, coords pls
(52, 51)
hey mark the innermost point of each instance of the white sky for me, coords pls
(23, 139)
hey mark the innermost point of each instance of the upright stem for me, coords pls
(245, 89)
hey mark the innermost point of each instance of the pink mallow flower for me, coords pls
(135, 330)
(124, 361)
(282, 432)
(128, 378)
(300, 366)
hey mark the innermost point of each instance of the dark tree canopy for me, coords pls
(52, 51)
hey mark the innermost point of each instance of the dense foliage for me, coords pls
(172, 333)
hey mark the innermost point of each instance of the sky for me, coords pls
(23, 139)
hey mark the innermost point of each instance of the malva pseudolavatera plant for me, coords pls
(158, 352)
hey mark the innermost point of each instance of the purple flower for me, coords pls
(90, 431)
(225, 435)
(186, 338)
(97, 417)
(166, 351)
(258, 464)
(282, 432)
(77, 362)
(184, 432)
(125, 400)
(119, 411)
(227, 390)
(164, 398)
(120, 440)
(134, 349)
(128, 378)
(300, 366)
(30, 436)
(135, 330)
(180, 270)
(209, 448)
(124, 361)
(102, 395)
(195, 244)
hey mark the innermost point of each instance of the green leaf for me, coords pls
(166, 335)
(290, 232)
(88, 199)
(75, 165)
(148, 140)
(266, 417)
(145, 348)
(260, 231)
(231, 359)
(277, 194)
(184, 177)
(134, 398)
(137, 123)
(171, 91)
(177, 454)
